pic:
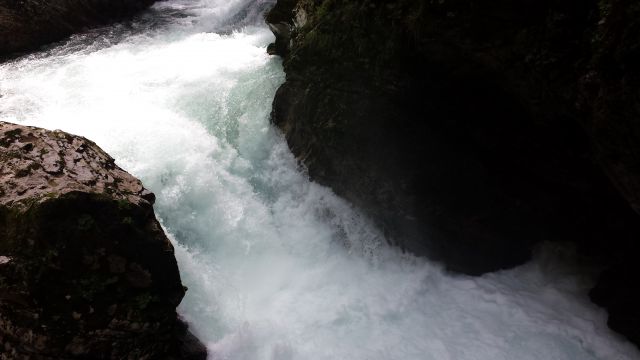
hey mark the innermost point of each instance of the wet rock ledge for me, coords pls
(85, 268)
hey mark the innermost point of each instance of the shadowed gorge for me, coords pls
(336, 180)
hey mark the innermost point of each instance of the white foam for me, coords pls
(278, 267)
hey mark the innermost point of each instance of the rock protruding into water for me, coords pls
(85, 268)
(466, 139)
(281, 22)
(28, 24)
(472, 131)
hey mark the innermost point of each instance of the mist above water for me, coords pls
(278, 267)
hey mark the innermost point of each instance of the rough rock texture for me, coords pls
(279, 19)
(470, 131)
(27, 24)
(85, 268)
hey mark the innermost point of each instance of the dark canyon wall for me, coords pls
(85, 268)
(28, 24)
(470, 131)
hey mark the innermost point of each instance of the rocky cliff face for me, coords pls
(471, 131)
(27, 24)
(85, 268)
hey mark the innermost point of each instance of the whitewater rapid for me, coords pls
(278, 268)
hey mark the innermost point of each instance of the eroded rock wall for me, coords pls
(471, 131)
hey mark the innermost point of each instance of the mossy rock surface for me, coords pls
(86, 269)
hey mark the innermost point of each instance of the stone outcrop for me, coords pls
(280, 21)
(86, 271)
(28, 24)
(472, 131)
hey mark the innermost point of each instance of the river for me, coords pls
(277, 266)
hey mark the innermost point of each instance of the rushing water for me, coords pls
(277, 266)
